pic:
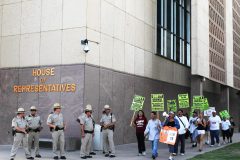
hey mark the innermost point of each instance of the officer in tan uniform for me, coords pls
(20, 126)
(56, 122)
(108, 122)
(87, 131)
(34, 123)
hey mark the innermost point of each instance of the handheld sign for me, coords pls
(172, 105)
(168, 135)
(157, 102)
(224, 114)
(209, 111)
(183, 100)
(198, 102)
(137, 103)
(205, 104)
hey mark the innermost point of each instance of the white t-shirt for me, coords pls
(214, 122)
(226, 125)
(192, 121)
(182, 129)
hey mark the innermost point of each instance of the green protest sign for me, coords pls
(137, 103)
(205, 104)
(157, 102)
(224, 114)
(183, 100)
(172, 105)
(191, 112)
(198, 102)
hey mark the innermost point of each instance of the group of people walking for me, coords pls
(26, 130)
(197, 125)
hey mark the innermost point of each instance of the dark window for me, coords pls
(174, 30)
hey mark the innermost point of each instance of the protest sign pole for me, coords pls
(158, 116)
(133, 116)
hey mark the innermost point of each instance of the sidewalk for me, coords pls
(123, 152)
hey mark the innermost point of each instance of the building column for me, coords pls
(197, 86)
(224, 98)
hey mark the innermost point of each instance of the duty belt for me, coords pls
(34, 130)
(90, 132)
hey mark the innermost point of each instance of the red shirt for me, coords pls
(141, 123)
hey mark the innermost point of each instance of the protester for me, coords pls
(226, 129)
(201, 125)
(171, 121)
(207, 134)
(192, 127)
(152, 130)
(183, 121)
(214, 123)
(232, 128)
(140, 123)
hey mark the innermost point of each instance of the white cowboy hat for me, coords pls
(33, 108)
(56, 106)
(88, 107)
(106, 107)
(20, 110)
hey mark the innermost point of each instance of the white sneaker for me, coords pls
(219, 144)
(170, 158)
(144, 153)
(174, 154)
(182, 154)
(211, 145)
(139, 154)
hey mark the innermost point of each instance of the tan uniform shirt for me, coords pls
(34, 122)
(107, 119)
(56, 119)
(19, 122)
(88, 122)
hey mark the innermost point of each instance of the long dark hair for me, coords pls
(143, 114)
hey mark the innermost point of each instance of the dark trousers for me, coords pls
(226, 133)
(141, 142)
(180, 138)
(231, 132)
(214, 134)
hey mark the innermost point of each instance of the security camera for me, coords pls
(86, 47)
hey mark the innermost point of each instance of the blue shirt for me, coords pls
(153, 129)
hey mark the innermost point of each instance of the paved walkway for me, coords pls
(124, 152)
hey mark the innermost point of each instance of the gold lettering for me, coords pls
(43, 72)
(15, 88)
(45, 88)
(34, 73)
(52, 71)
(73, 87)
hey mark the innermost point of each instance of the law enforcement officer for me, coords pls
(108, 122)
(87, 131)
(57, 125)
(20, 126)
(34, 123)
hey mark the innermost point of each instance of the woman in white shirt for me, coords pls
(225, 129)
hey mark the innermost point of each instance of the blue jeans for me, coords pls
(155, 147)
(171, 148)
(214, 134)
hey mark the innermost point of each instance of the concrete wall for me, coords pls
(49, 32)
(229, 42)
(200, 38)
(10, 101)
(95, 85)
